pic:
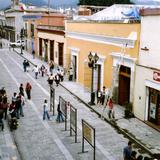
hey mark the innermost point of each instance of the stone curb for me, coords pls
(112, 123)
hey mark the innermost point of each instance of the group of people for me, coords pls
(129, 154)
(104, 99)
(60, 117)
(58, 77)
(15, 108)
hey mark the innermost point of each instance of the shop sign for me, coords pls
(88, 133)
(156, 76)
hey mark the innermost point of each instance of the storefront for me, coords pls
(154, 106)
(153, 97)
(147, 95)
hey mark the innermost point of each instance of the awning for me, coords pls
(152, 84)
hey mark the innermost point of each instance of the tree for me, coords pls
(103, 2)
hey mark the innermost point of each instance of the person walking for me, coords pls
(45, 110)
(27, 66)
(12, 110)
(5, 106)
(28, 90)
(24, 65)
(51, 66)
(42, 69)
(70, 74)
(61, 74)
(33, 53)
(99, 94)
(19, 106)
(111, 109)
(21, 89)
(1, 114)
(59, 116)
(1, 119)
(35, 69)
(103, 95)
(57, 79)
(50, 79)
(127, 151)
(14, 97)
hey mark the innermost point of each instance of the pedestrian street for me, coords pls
(38, 139)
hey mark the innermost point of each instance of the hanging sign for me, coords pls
(156, 76)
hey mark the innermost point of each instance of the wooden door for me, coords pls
(52, 50)
(60, 51)
(124, 85)
(40, 46)
(124, 90)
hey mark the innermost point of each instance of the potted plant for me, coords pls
(128, 110)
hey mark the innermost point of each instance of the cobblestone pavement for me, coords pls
(38, 139)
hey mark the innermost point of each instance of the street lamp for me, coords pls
(92, 64)
(21, 36)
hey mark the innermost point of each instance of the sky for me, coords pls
(5, 3)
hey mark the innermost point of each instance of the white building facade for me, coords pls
(147, 81)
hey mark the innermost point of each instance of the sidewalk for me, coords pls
(133, 128)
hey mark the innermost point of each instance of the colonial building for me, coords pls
(116, 42)
(147, 82)
(14, 18)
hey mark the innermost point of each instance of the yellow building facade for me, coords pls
(115, 43)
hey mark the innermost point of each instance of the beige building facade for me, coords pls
(116, 44)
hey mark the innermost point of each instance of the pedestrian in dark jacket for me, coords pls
(5, 107)
(59, 116)
(42, 69)
(50, 79)
(12, 109)
(19, 105)
(127, 151)
(57, 79)
(28, 90)
(21, 89)
(24, 65)
(1, 119)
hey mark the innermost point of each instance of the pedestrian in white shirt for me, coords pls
(45, 110)
(36, 70)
